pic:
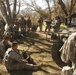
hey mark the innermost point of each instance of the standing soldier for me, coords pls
(29, 23)
(48, 24)
(22, 23)
(40, 21)
(57, 23)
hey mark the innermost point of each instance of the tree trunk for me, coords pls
(49, 8)
(14, 10)
(6, 10)
(70, 19)
(63, 7)
(70, 12)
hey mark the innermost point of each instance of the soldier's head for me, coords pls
(22, 17)
(6, 38)
(14, 45)
(29, 17)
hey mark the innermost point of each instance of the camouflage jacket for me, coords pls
(11, 57)
(66, 49)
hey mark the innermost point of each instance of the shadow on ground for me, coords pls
(24, 72)
(39, 49)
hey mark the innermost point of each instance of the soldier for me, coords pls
(72, 54)
(16, 25)
(29, 23)
(13, 60)
(4, 45)
(9, 30)
(57, 23)
(22, 23)
(40, 21)
(48, 24)
(68, 51)
(65, 49)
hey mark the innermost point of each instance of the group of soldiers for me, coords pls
(25, 25)
(9, 53)
(12, 58)
(48, 22)
(21, 25)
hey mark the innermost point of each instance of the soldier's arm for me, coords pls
(15, 56)
(2, 49)
(71, 45)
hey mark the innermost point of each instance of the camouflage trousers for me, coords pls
(48, 27)
(21, 66)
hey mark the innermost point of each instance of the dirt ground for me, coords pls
(39, 49)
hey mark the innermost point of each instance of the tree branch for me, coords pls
(14, 9)
(63, 7)
(3, 7)
(8, 7)
(18, 9)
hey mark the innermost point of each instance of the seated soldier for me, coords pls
(13, 60)
(26, 55)
(9, 30)
(4, 45)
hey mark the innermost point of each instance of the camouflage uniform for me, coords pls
(29, 24)
(73, 55)
(3, 47)
(65, 49)
(40, 21)
(14, 61)
(68, 51)
(22, 23)
(48, 24)
(73, 51)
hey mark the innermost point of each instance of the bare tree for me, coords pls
(5, 8)
(48, 3)
(33, 6)
(67, 7)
